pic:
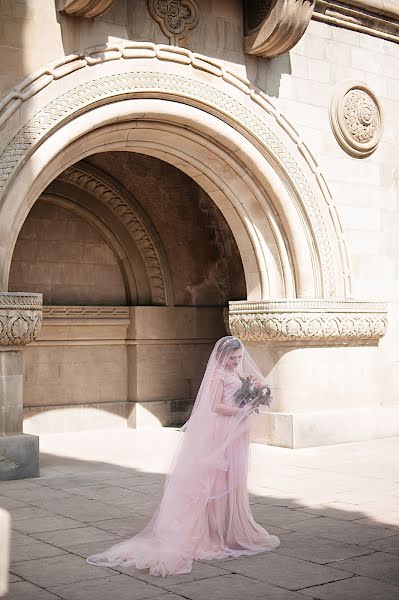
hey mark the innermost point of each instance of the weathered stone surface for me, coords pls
(19, 456)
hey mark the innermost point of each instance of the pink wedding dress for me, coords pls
(204, 512)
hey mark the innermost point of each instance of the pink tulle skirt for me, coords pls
(191, 525)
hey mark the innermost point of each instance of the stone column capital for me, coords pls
(308, 320)
(20, 317)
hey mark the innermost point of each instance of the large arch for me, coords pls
(211, 124)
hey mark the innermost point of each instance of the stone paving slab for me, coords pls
(32, 549)
(334, 508)
(57, 570)
(86, 510)
(388, 544)
(354, 588)
(28, 512)
(279, 515)
(10, 503)
(52, 523)
(23, 590)
(337, 510)
(120, 587)
(201, 570)
(125, 526)
(335, 529)
(233, 587)
(284, 571)
(318, 550)
(71, 537)
(379, 565)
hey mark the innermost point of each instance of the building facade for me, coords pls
(175, 169)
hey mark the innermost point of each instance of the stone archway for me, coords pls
(192, 112)
(306, 227)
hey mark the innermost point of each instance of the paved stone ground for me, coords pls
(335, 509)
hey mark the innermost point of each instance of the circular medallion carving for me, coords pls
(356, 118)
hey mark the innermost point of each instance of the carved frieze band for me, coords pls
(121, 207)
(20, 317)
(356, 118)
(308, 320)
(273, 27)
(85, 312)
(87, 93)
(175, 17)
(368, 17)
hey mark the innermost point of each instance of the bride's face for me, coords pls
(233, 360)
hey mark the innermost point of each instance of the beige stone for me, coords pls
(245, 195)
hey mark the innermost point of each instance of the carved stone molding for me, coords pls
(82, 96)
(378, 19)
(86, 8)
(356, 118)
(85, 312)
(20, 317)
(323, 321)
(90, 179)
(175, 17)
(272, 27)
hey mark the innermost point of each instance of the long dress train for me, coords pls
(192, 522)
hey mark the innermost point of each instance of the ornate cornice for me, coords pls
(312, 320)
(356, 118)
(20, 317)
(92, 181)
(372, 17)
(175, 17)
(272, 27)
(86, 8)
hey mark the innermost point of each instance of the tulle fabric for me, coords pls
(204, 512)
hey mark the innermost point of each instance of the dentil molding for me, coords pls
(272, 27)
(20, 317)
(311, 320)
(356, 118)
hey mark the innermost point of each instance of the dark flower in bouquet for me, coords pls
(252, 392)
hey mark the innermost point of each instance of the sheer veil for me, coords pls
(199, 471)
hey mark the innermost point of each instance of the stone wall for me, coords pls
(365, 190)
(62, 256)
(203, 257)
(93, 367)
(302, 82)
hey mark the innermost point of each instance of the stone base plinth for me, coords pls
(306, 429)
(19, 456)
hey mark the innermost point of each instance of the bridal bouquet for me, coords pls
(253, 393)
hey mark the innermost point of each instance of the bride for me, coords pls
(204, 512)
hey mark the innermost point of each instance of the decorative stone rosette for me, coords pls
(20, 317)
(175, 17)
(324, 321)
(356, 118)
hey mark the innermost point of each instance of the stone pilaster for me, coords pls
(20, 321)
